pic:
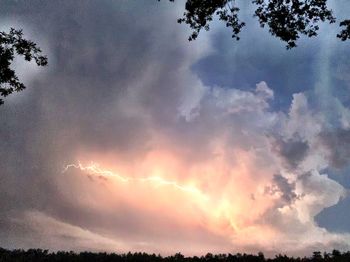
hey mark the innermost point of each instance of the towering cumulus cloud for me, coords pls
(121, 145)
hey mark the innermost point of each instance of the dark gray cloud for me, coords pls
(337, 144)
(282, 186)
(292, 151)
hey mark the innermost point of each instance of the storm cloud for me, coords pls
(185, 163)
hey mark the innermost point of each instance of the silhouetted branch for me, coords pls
(12, 44)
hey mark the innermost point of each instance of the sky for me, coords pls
(134, 139)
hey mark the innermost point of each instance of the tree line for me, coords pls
(39, 255)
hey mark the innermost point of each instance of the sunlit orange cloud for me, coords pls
(226, 198)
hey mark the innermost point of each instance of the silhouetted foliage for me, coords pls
(12, 44)
(345, 33)
(199, 13)
(285, 19)
(39, 255)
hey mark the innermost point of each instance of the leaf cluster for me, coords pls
(285, 19)
(12, 44)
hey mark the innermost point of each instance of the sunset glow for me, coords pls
(224, 199)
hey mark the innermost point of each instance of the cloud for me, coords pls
(235, 101)
(337, 144)
(291, 151)
(43, 231)
(282, 186)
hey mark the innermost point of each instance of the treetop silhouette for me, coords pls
(285, 19)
